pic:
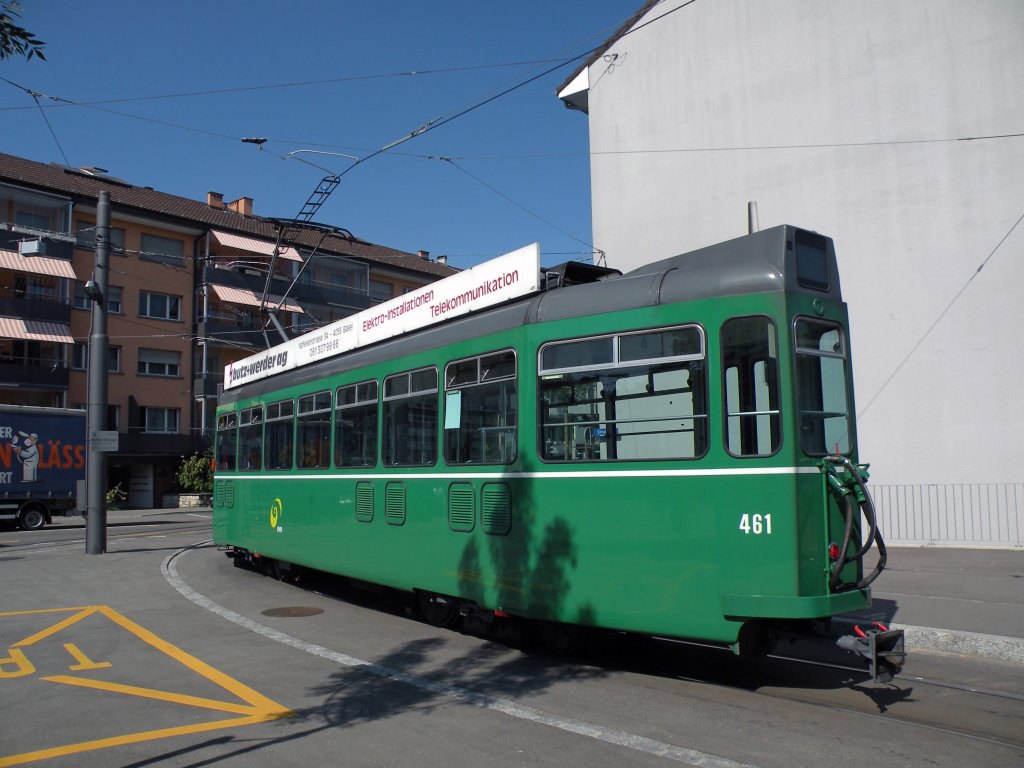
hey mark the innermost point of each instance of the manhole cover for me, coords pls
(293, 611)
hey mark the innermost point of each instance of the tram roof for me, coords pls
(762, 262)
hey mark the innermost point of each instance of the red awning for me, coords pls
(252, 299)
(35, 330)
(39, 265)
(252, 246)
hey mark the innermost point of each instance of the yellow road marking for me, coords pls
(257, 708)
(45, 633)
(38, 610)
(131, 738)
(84, 662)
(151, 693)
(244, 692)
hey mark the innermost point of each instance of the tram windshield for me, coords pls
(822, 387)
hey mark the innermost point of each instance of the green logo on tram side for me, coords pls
(275, 514)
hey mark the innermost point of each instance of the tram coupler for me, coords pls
(882, 648)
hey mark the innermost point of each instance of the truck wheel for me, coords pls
(32, 517)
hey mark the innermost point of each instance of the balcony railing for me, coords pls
(35, 308)
(207, 385)
(304, 292)
(33, 373)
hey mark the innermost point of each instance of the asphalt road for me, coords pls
(161, 653)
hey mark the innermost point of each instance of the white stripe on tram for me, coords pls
(556, 474)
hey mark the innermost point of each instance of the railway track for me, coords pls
(68, 537)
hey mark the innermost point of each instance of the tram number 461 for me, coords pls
(756, 524)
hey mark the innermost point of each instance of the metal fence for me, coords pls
(983, 514)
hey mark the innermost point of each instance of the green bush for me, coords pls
(195, 475)
(115, 495)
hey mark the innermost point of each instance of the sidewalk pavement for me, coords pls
(964, 601)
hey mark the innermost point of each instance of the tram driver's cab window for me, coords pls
(750, 370)
(822, 387)
(625, 397)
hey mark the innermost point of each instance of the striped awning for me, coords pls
(251, 298)
(39, 265)
(252, 246)
(35, 330)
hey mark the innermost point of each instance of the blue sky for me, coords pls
(522, 151)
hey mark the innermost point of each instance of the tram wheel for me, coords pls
(438, 611)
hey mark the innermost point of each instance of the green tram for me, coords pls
(671, 451)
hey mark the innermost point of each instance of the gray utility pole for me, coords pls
(96, 416)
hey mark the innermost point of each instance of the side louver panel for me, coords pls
(461, 507)
(394, 503)
(364, 502)
(496, 509)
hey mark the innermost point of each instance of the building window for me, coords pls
(480, 410)
(159, 362)
(381, 291)
(631, 396)
(85, 237)
(113, 422)
(410, 418)
(81, 301)
(80, 358)
(162, 249)
(750, 372)
(159, 306)
(42, 287)
(163, 420)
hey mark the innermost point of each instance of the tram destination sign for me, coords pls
(494, 282)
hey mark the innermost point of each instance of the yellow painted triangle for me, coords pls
(257, 708)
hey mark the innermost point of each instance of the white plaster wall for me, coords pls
(939, 376)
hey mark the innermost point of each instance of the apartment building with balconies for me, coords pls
(193, 286)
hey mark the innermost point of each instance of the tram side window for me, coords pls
(646, 399)
(278, 447)
(227, 441)
(250, 438)
(821, 387)
(314, 431)
(410, 418)
(480, 410)
(355, 426)
(750, 369)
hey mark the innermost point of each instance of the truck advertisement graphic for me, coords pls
(42, 462)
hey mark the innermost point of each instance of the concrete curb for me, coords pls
(995, 647)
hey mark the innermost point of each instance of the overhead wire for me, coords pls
(520, 206)
(295, 84)
(938, 319)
